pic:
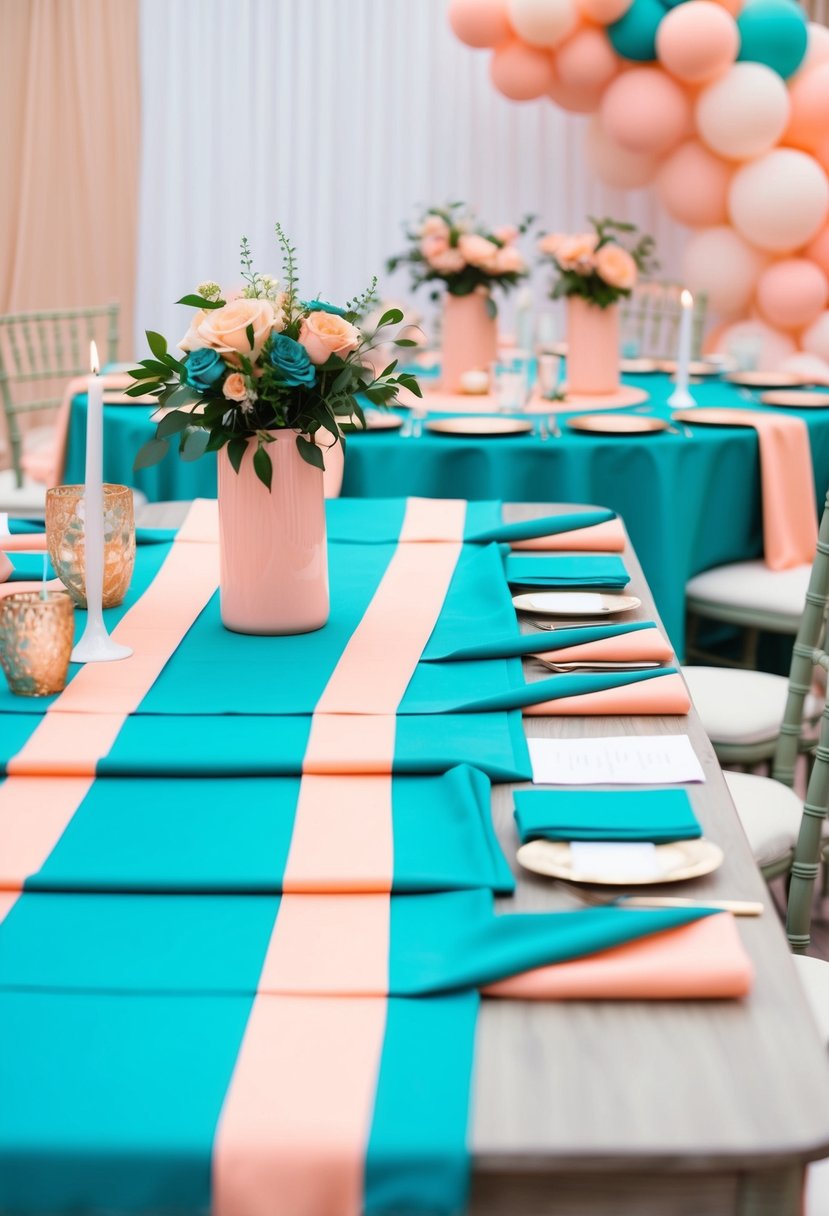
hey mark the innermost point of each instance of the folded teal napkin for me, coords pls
(547, 525)
(36, 527)
(28, 567)
(534, 643)
(562, 570)
(571, 684)
(657, 815)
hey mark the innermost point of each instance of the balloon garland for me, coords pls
(723, 107)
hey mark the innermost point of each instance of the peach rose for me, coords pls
(550, 243)
(576, 252)
(193, 340)
(615, 265)
(235, 388)
(435, 225)
(433, 246)
(451, 261)
(324, 333)
(477, 250)
(225, 329)
(507, 234)
(509, 261)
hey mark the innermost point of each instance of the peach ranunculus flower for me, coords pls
(435, 225)
(235, 388)
(225, 329)
(451, 261)
(616, 266)
(477, 250)
(577, 252)
(324, 334)
(508, 261)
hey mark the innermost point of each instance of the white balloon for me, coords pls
(744, 113)
(543, 22)
(780, 201)
(718, 263)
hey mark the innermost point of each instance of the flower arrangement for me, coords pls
(449, 247)
(596, 265)
(262, 362)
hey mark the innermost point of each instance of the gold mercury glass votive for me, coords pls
(36, 634)
(65, 540)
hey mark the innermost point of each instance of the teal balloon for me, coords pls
(633, 36)
(773, 32)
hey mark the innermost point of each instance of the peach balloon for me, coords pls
(817, 48)
(719, 263)
(521, 72)
(578, 99)
(773, 347)
(780, 201)
(543, 23)
(818, 250)
(815, 339)
(809, 121)
(744, 113)
(604, 12)
(645, 110)
(697, 41)
(480, 23)
(692, 184)
(587, 60)
(615, 165)
(735, 7)
(791, 293)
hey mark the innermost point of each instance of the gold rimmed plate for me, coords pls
(760, 379)
(575, 603)
(638, 367)
(476, 426)
(801, 400)
(676, 862)
(617, 424)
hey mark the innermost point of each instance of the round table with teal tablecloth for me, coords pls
(688, 503)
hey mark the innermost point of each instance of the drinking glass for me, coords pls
(67, 549)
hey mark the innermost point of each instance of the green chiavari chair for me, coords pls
(650, 321)
(39, 352)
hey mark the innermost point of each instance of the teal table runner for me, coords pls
(657, 815)
(209, 835)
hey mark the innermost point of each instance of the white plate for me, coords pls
(677, 862)
(575, 603)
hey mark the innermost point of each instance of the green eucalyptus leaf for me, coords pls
(251, 337)
(142, 373)
(172, 424)
(157, 343)
(405, 342)
(151, 452)
(310, 453)
(235, 451)
(194, 301)
(140, 390)
(393, 317)
(193, 444)
(262, 466)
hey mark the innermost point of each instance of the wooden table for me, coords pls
(629, 1108)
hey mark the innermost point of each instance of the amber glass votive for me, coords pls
(67, 549)
(36, 633)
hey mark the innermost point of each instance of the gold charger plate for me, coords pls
(678, 861)
(797, 400)
(575, 603)
(697, 367)
(617, 424)
(760, 379)
(480, 426)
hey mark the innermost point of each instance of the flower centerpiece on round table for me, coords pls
(450, 247)
(595, 270)
(266, 380)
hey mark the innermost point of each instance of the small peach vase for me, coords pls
(469, 341)
(592, 347)
(273, 552)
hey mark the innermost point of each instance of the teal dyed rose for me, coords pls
(204, 369)
(322, 306)
(290, 362)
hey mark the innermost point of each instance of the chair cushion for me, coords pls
(754, 587)
(741, 707)
(770, 814)
(813, 974)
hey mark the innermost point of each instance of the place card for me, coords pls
(617, 760)
(611, 862)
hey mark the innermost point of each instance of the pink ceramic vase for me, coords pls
(592, 347)
(272, 545)
(469, 340)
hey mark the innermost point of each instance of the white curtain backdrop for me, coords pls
(340, 120)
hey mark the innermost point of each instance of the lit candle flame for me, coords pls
(94, 362)
(687, 299)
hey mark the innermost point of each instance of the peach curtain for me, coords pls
(69, 155)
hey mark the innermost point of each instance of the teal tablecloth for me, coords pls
(688, 504)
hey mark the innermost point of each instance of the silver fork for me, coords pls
(541, 430)
(738, 907)
(644, 665)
